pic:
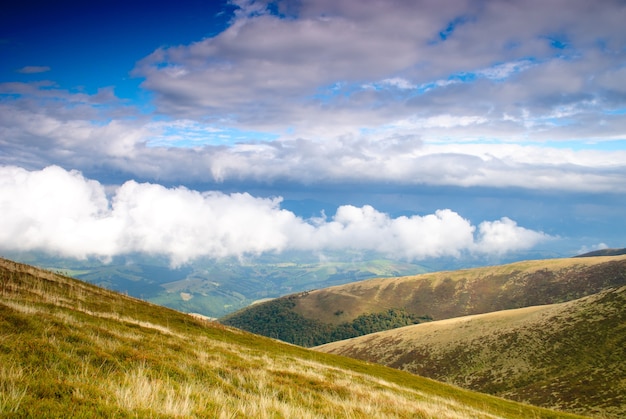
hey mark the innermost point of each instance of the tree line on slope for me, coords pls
(276, 319)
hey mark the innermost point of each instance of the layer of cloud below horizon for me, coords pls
(63, 213)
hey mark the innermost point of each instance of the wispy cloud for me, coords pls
(40, 132)
(33, 69)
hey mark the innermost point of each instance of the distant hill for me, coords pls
(215, 288)
(306, 318)
(71, 349)
(570, 356)
(603, 252)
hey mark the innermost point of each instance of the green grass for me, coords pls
(70, 349)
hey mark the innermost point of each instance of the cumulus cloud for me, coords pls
(504, 235)
(444, 233)
(64, 213)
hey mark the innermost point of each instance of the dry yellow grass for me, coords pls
(456, 293)
(443, 333)
(68, 349)
(568, 355)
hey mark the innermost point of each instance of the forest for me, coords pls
(277, 320)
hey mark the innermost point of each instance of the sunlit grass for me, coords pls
(68, 349)
(461, 292)
(568, 356)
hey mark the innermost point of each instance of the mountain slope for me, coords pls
(70, 349)
(570, 355)
(439, 295)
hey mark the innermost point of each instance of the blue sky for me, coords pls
(415, 129)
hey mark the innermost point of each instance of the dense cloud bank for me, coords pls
(63, 213)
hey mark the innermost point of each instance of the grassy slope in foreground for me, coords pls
(570, 356)
(70, 349)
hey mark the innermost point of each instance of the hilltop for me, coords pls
(312, 318)
(569, 356)
(71, 349)
(603, 252)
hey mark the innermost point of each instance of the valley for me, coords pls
(215, 288)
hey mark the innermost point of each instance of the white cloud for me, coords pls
(185, 224)
(398, 83)
(504, 235)
(443, 121)
(444, 233)
(64, 213)
(409, 152)
(54, 210)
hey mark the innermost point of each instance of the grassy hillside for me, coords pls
(440, 295)
(70, 349)
(570, 356)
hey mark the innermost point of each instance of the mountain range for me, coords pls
(546, 332)
(432, 296)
